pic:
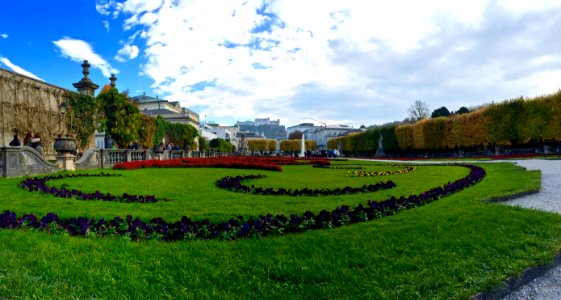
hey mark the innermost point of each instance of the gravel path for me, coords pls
(549, 285)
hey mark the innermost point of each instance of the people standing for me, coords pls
(15, 142)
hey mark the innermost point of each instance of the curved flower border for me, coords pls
(407, 169)
(187, 229)
(238, 162)
(39, 184)
(235, 184)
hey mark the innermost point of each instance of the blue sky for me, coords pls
(339, 62)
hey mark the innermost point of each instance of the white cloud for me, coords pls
(18, 69)
(103, 6)
(106, 25)
(78, 50)
(4, 35)
(353, 60)
(126, 53)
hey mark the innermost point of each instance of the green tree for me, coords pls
(221, 145)
(440, 112)
(182, 135)
(147, 131)
(80, 119)
(160, 132)
(202, 143)
(119, 118)
(462, 110)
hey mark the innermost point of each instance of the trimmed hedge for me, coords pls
(517, 122)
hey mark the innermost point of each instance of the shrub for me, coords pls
(404, 136)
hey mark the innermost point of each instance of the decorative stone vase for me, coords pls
(65, 145)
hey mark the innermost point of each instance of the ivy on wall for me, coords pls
(81, 117)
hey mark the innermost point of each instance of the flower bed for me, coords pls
(238, 162)
(37, 184)
(235, 184)
(407, 169)
(185, 228)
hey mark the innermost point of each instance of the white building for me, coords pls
(322, 134)
(212, 131)
(171, 111)
(300, 127)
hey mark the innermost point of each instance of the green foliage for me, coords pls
(221, 145)
(120, 119)
(272, 145)
(160, 132)
(440, 112)
(296, 145)
(404, 136)
(258, 144)
(182, 135)
(389, 138)
(504, 118)
(81, 117)
(147, 131)
(462, 110)
(203, 143)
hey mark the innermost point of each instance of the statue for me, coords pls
(380, 150)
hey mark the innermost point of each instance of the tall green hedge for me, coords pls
(516, 122)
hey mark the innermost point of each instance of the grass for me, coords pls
(453, 248)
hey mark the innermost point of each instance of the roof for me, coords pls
(147, 99)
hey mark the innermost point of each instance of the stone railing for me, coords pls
(23, 161)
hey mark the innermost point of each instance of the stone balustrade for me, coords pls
(24, 161)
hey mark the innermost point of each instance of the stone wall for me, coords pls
(29, 106)
(24, 161)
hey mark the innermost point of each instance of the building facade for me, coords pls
(171, 111)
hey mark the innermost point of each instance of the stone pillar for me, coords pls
(85, 85)
(112, 79)
(65, 161)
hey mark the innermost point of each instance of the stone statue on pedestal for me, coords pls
(380, 151)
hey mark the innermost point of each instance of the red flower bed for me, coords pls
(237, 162)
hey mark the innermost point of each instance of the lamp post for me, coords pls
(63, 111)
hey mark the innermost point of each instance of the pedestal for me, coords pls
(65, 161)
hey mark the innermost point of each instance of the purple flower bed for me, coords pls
(235, 184)
(186, 229)
(37, 184)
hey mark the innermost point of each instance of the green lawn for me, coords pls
(452, 248)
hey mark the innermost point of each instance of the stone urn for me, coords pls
(65, 145)
(65, 148)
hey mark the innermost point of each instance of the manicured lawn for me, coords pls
(452, 248)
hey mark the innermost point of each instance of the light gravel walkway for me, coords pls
(548, 199)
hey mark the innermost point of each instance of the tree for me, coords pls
(221, 145)
(202, 143)
(418, 111)
(296, 135)
(83, 108)
(462, 110)
(120, 119)
(440, 112)
(147, 131)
